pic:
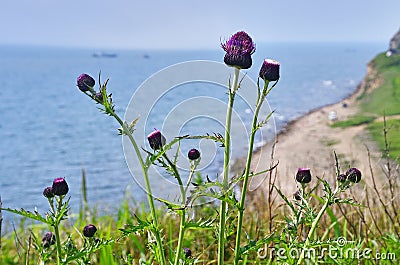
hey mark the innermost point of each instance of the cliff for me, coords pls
(394, 45)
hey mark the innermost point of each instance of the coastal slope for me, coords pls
(310, 141)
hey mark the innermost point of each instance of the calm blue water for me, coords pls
(49, 129)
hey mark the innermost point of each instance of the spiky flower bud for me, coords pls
(156, 140)
(188, 252)
(353, 174)
(48, 239)
(99, 97)
(89, 230)
(193, 154)
(85, 82)
(342, 178)
(48, 192)
(297, 195)
(60, 187)
(303, 175)
(270, 70)
(239, 49)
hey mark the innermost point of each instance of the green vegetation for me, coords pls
(393, 136)
(353, 121)
(384, 100)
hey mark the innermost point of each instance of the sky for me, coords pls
(185, 24)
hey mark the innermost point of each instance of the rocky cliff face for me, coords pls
(394, 44)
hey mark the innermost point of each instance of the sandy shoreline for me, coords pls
(310, 141)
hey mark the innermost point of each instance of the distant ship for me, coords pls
(104, 54)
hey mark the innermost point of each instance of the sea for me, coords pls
(49, 129)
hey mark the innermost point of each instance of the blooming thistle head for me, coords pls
(89, 230)
(48, 192)
(239, 49)
(85, 82)
(48, 239)
(353, 174)
(303, 175)
(193, 154)
(60, 187)
(156, 140)
(188, 252)
(270, 70)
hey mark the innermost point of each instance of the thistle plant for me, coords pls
(269, 72)
(239, 49)
(65, 250)
(305, 215)
(86, 83)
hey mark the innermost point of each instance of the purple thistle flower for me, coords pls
(60, 187)
(303, 175)
(239, 49)
(193, 154)
(188, 252)
(353, 174)
(48, 239)
(85, 82)
(48, 192)
(89, 230)
(270, 70)
(156, 140)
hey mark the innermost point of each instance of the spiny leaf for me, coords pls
(217, 137)
(172, 206)
(200, 224)
(255, 245)
(31, 215)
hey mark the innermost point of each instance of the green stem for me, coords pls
(180, 238)
(147, 184)
(56, 230)
(183, 211)
(314, 225)
(254, 127)
(223, 207)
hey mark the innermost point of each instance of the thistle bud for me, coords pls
(48, 192)
(193, 154)
(188, 252)
(89, 230)
(60, 187)
(303, 175)
(48, 239)
(99, 97)
(85, 82)
(353, 174)
(297, 195)
(156, 140)
(342, 178)
(239, 49)
(270, 70)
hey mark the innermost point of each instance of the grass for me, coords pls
(357, 227)
(393, 136)
(353, 121)
(384, 100)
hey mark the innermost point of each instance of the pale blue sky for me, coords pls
(193, 24)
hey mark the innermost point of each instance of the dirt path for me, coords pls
(310, 141)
